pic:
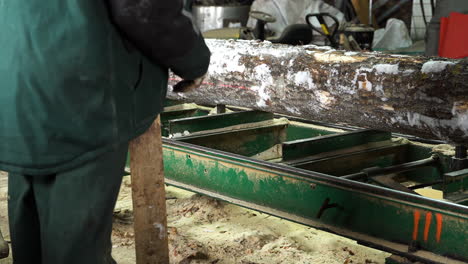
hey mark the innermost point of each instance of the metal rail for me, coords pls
(409, 166)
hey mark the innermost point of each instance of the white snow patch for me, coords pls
(304, 78)
(398, 120)
(175, 135)
(435, 66)
(459, 121)
(414, 119)
(400, 56)
(386, 68)
(222, 62)
(262, 74)
(408, 72)
(321, 47)
(264, 97)
(462, 121)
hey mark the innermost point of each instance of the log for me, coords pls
(149, 197)
(420, 96)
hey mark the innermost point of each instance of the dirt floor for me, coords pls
(205, 230)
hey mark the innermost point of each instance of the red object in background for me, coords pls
(453, 41)
(443, 30)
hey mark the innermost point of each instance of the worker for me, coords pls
(79, 80)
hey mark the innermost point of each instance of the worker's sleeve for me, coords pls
(164, 32)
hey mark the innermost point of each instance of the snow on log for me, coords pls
(421, 96)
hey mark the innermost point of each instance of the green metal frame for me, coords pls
(391, 220)
(200, 123)
(221, 156)
(317, 145)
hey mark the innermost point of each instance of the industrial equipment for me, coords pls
(216, 17)
(357, 36)
(371, 185)
(367, 185)
(296, 34)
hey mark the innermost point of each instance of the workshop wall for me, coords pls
(418, 26)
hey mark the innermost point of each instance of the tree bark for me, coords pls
(420, 96)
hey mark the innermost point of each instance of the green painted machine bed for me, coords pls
(383, 190)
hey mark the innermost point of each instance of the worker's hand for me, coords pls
(188, 85)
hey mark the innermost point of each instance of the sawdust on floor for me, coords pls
(205, 230)
(208, 231)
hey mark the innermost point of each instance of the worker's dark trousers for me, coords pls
(66, 218)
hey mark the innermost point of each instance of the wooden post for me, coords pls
(148, 195)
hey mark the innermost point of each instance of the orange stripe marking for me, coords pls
(416, 217)
(427, 226)
(439, 227)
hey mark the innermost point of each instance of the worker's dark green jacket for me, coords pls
(71, 88)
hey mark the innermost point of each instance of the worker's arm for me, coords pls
(164, 32)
